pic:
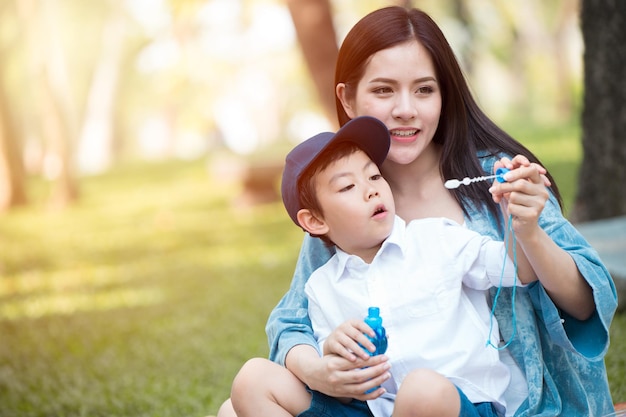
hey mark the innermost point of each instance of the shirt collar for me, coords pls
(394, 240)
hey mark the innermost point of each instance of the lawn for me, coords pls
(146, 297)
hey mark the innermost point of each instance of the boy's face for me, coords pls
(357, 203)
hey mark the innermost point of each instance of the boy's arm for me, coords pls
(292, 343)
(346, 339)
(336, 373)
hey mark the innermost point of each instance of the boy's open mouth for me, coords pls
(379, 209)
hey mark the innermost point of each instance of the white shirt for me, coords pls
(422, 280)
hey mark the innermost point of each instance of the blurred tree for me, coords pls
(565, 76)
(314, 26)
(12, 188)
(50, 81)
(12, 192)
(96, 145)
(603, 172)
(460, 9)
(537, 44)
(313, 22)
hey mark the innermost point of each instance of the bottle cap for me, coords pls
(373, 312)
(500, 172)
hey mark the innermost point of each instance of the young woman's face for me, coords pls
(400, 88)
(357, 203)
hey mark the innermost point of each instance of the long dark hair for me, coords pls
(464, 129)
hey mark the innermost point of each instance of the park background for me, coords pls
(139, 258)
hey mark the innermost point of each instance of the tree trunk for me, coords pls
(565, 79)
(96, 139)
(316, 34)
(51, 85)
(12, 189)
(603, 172)
(12, 176)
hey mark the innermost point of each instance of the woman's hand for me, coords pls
(348, 340)
(336, 376)
(523, 195)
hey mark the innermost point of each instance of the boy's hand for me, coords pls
(348, 340)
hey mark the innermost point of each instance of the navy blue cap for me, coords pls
(368, 133)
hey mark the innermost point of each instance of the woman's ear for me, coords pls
(340, 90)
(311, 223)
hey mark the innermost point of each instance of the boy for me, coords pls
(418, 274)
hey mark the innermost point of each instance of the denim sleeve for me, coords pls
(590, 337)
(289, 324)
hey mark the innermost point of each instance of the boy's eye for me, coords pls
(376, 177)
(346, 188)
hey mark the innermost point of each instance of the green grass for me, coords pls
(146, 297)
(143, 300)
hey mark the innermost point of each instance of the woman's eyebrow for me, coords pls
(392, 81)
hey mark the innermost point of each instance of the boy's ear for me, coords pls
(340, 90)
(311, 223)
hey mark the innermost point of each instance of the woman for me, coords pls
(396, 65)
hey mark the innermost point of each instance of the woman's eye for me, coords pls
(425, 90)
(382, 90)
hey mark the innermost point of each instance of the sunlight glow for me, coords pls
(153, 15)
(61, 303)
(68, 291)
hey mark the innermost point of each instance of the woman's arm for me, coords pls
(336, 376)
(588, 338)
(288, 324)
(526, 196)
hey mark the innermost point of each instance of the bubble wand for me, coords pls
(499, 176)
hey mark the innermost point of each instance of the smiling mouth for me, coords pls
(403, 133)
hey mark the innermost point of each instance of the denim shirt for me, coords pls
(562, 357)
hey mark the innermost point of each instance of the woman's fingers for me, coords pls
(369, 377)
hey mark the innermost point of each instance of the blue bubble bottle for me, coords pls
(374, 320)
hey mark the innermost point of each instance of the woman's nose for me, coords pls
(404, 107)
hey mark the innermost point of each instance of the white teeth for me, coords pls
(403, 133)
